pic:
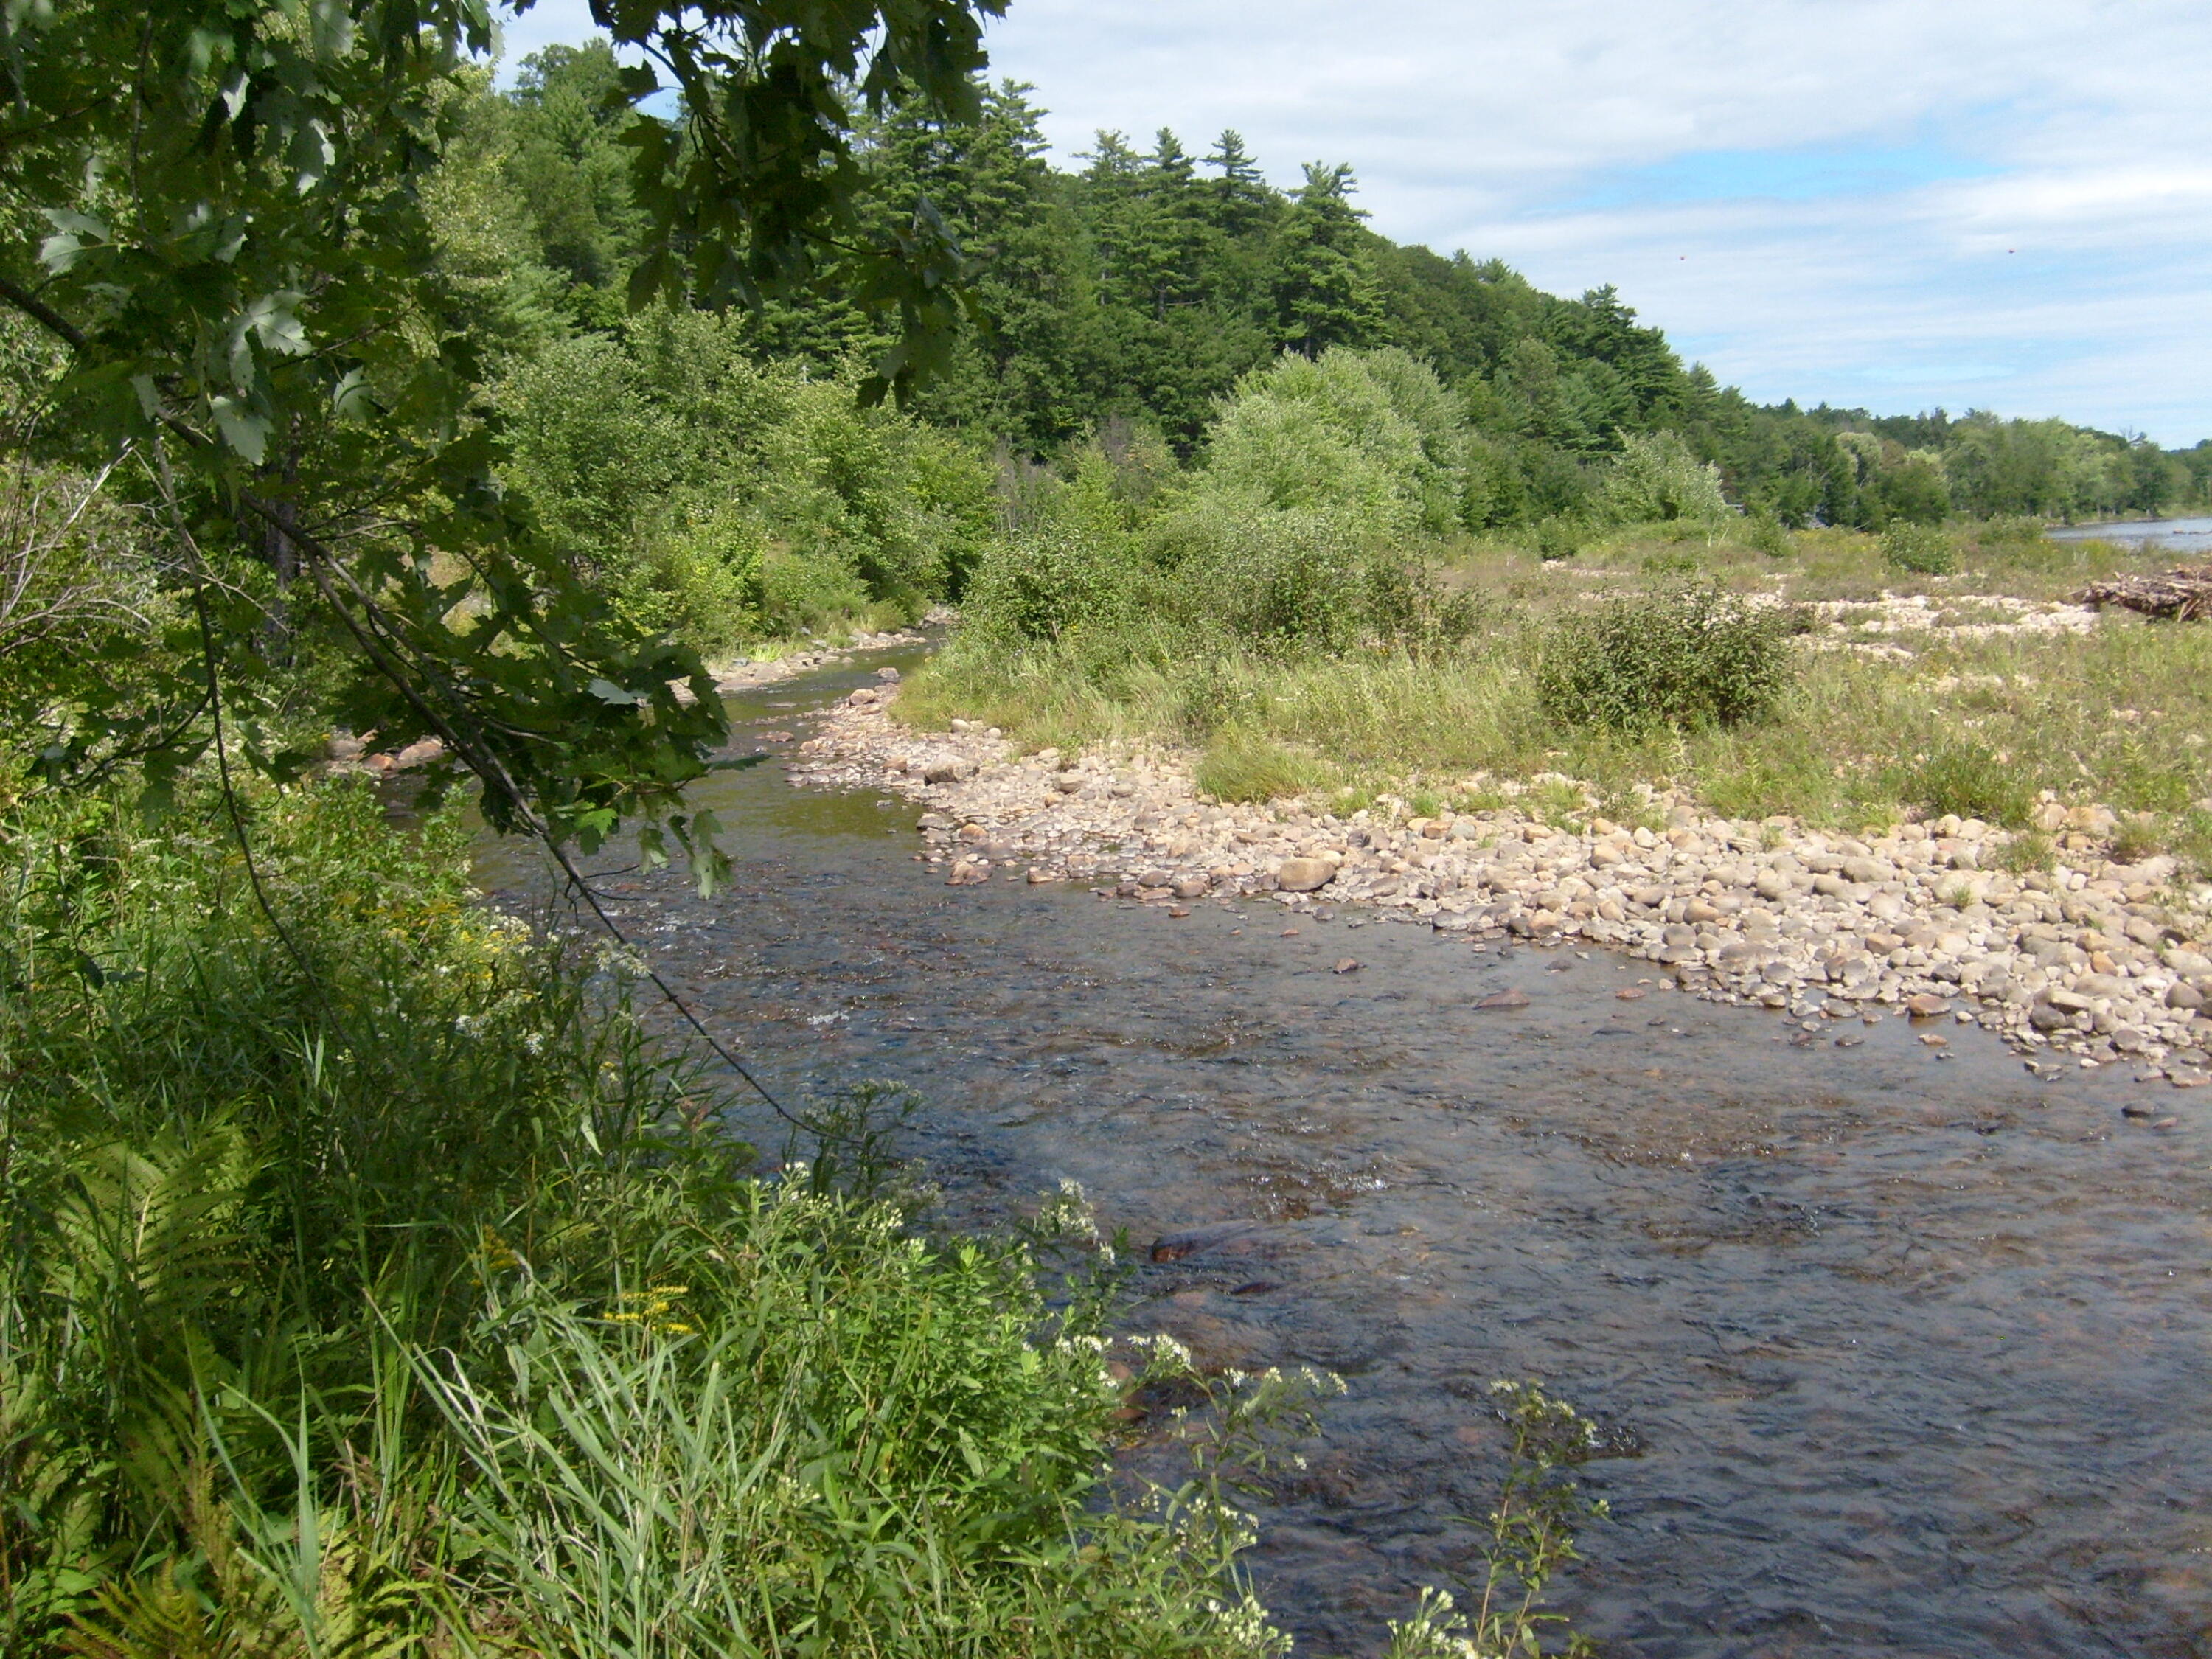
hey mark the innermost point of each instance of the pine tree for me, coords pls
(1323, 285)
(1242, 201)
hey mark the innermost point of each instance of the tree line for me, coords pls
(1141, 285)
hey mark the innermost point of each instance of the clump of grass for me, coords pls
(1966, 779)
(2029, 850)
(1684, 659)
(1921, 550)
(2139, 836)
(1241, 765)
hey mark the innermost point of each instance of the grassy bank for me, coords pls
(1906, 692)
(370, 1285)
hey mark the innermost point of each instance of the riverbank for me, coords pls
(734, 674)
(2096, 960)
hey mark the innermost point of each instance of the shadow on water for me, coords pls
(1915, 1347)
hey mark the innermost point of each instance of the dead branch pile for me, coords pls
(2182, 594)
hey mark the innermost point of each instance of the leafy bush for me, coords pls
(1559, 539)
(1771, 537)
(617, 439)
(1052, 582)
(700, 578)
(1966, 778)
(1920, 549)
(1369, 436)
(1279, 578)
(372, 1287)
(1691, 657)
(1656, 479)
(799, 595)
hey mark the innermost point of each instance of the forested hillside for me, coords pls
(1134, 294)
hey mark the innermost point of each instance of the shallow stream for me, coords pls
(1915, 1346)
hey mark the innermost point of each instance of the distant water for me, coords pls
(2157, 535)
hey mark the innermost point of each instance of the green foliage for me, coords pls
(373, 1284)
(1278, 578)
(1966, 778)
(1532, 1535)
(1919, 549)
(1687, 657)
(670, 461)
(1656, 479)
(1241, 765)
(1053, 582)
(1559, 539)
(1771, 536)
(1367, 435)
(708, 577)
(800, 595)
(264, 264)
(1321, 281)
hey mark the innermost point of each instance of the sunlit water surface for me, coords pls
(2178, 536)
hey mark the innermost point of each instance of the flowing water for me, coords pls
(1911, 1350)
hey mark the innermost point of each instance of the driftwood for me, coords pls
(2182, 594)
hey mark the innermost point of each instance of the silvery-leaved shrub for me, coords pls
(1657, 478)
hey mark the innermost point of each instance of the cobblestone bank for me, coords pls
(2106, 962)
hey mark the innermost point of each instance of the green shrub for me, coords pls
(374, 1287)
(802, 594)
(1656, 479)
(613, 437)
(1282, 579)
(1675, 562)
(1965, 778)
(1369, 436)
(700, 577)
(2011, 531)
(1771, 536)
(1559, 539)
(1053, 582)
(1921, 550)
(1691, 657)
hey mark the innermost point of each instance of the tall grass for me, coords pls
(2119, 716)
(373, 1286)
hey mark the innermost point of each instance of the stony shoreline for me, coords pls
(2099, 962)
(744, 674)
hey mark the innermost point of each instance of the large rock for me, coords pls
(1304, 875)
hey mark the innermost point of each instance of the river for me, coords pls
(1912, 1346)
(2183, 536)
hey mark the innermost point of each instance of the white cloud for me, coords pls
(1705, 156)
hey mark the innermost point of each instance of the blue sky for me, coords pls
(2002, 203)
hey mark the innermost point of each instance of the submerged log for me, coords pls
(2182, 594)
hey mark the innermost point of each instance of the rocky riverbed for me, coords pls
(2089, 962)
(745, 674)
